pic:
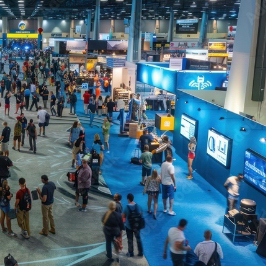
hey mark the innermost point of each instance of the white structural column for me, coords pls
(171, 26)
(40, 22)
(88, 25)
(4, 31)
(72, 28)
(97, 20)
(242, 71)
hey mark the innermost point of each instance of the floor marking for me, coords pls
(55, 165)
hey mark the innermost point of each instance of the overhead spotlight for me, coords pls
(186, 102)
(263, 140)
(242, 129)
(221, 118)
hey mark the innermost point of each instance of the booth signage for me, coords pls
(217, 47)
(22, 36)
(117, 45)
(218, 54)
(76, 45)
(56, 34)
(187, 26)
(199, 54)
(78, 29)
(231, 32)
(22, 25)
(176, 63)
(197, 65)
(85, 85)
(77, 59)
(183, 45)
(22, 31)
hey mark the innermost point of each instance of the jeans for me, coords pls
(23, 136)
(91, 118)
(53, 112)
(34, 103)
(110, 115)
(231, 203)
(27, 99)
(32, 139)
(47, 216)
(2, 91)
(73, 105)
(178, 259)
(109, 240)
(130, 241)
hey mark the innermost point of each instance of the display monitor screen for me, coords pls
(188, 127)
(219, 147)
(187, 26)
(255, 170)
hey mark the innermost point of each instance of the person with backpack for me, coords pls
(73, 102)
(5, 208)
(178, 244)
(47, 198)
(208, 251)
(45, 95)
(41, 115)
(35, 101)
(32, 133)
(52, 104)
(134, 223)
(23, 206)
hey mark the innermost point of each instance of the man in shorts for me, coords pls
(168, 184)
(5, 138)
(17, 133)
(106, 133)
(41, 120)
(5, 164)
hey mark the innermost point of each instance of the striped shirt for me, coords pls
(205, 249)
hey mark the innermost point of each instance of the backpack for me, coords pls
(215, 258)
(10, 261)
(25, 202)
(47, 119)
(135, 219)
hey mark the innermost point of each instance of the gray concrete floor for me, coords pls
(79, 239)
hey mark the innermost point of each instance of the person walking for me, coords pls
(130, 213)
(32, 133)
(73, 102)
(8, 84)
(117, 200)
(146, 161)
(178, 244)
(52, 104)
(7, 102)
(18, 101)
(112, 228)
(24, 123)
(204, 250)
(84, 184)
(41, 115)
(168, 184)
(232, 185)
(35, 101)
(86, 97)
(5, 208)
(152, 188)
(60, 106)
(45, 95)
(110, 109)
(17, 133)
(92, 109)
(27, 97)
(77, 147)
(74, 133)
(23, 206)
(2, 88)
(5, 164)
(106, 133)
(5, 138)
(47, 198)
(100, 106)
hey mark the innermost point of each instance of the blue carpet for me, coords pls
(197, 201)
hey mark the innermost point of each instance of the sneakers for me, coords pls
(77, 204)
(12, 234)
(172, 213)
(189, 177)
(82, 210)
(4, 230)
(130, 254)
(25, 234)
(164, 211)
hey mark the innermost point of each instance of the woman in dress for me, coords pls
(191, 156)
(152, 188)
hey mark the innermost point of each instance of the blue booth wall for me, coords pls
(200, 80)
(209, 117)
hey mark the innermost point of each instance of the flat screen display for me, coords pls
(219, 147)
(255, 170)
(97, 45)
(187, 26)
(188, 127)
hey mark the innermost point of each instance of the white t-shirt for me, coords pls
(32, 88)
(166, 170)
(120, 104)
(41, 114)
(176, 235)
(233, 185)
(205, 249)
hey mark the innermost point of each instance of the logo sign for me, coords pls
(22, 25)
(85, 86)
(200, 83)
(217, 47)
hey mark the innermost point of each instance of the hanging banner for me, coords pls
(76, 45)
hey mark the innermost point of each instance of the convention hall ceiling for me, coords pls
(118, 9)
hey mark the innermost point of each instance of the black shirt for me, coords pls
(18, 98)
(31, 129)
(5, 162)
(145, 140)
(110, 107)
(45, 94)
(48, 190)
(114, 220)
(6, 134)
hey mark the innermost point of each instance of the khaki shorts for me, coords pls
(5, 146)
(106, 137)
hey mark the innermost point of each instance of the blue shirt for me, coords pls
(48, 190)
(27, 92)
(126, 212)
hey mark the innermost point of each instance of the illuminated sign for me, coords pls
(22, 36)
(217, 47)
(200, 83)
(217, 54)
(22, 25)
